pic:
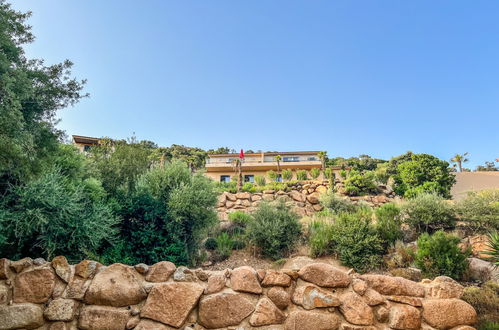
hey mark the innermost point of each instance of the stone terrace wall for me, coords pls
(35, 294)
(302, 196)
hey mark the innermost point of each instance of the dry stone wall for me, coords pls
(35, 294)
(302, 196)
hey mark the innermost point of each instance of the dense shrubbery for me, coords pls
(360, 183)
(388, 223)
(439, 254)
(337, 204)
(428, 212)
(274, 229)
(301, 175)
(493, 251)
(287, 175)
(481, 210)
(485, 300)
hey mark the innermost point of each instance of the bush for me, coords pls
(485, 301)
(343, 174)
(301, 175)
(337, 204)
(388, 223)
(481, 210)
(274, 229)
(238, 244)
(210, 244)
(329, 174)
(439, 254)
(224, 245)
(272, 175)
(493, 244)
(314, 173)
(248, 187)
(359, 183)
(260, 180)
(320, 235)
(428, 212)
(240, 218)
(287, 175)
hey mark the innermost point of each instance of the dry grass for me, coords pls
(485, 300)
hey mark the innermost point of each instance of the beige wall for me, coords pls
(216, 175)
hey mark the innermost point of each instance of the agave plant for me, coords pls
(493, 251)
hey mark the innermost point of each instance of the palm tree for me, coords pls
(322, 156)
(236, 165)
(278, 160)
(459, 160)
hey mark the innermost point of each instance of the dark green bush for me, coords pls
(439, 254)
(274, 230)
(388, 223)
(238, 244)
(224, 245)
(359, 183)
(320, 237)
(210, 244)
(240, 218)
(480, 210)
(337, 204)
(428, 212)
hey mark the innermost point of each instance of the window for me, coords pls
(279, 178)
(249, 178)
(291, 159)
(86, 148)
(224, 178)
(312, 158)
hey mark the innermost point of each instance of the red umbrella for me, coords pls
(241, 154)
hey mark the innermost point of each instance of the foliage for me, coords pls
(210, 244)
(224, 245)
(54, 215)
(493, 251)
(459, 159)
(320, 234)
(301, 175)
(360, 163)
(314, 173)
(240, 218)
(272, 175)
(381, 174)
(484, 300)
(274, 230)
(439, 254)
(195, 158)
(489, 167)
(329, 174)
(249, 187)
(337, 204)
(423, 173)
(388, 223)
(428, 212)
(260, 180)
(480, 210)
(399, 256)
(238, 244)
(359, 183)
(343, 174)
(287, 175)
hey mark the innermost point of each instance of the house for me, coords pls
(220, 167)
(84, 143)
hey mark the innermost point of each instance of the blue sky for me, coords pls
(349, 77)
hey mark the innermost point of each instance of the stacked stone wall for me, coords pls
(35, 294)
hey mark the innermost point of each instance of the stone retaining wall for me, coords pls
(302, 196)
(35, 294)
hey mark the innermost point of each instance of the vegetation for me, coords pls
(337, 204)
(439, 254)
(275, 230)
(459, 159)
(287, 175)
(493, 252)
(428, 212)
(314, 173)
(360, 183)
(301, 175)
(388, 223)
(260, 180)
(240, 218)
(485, 300)
(272, 175)
(480, 210)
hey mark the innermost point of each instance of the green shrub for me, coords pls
(359, 183)
(388, 223)
(481, 210)
(381, 174)
(485, 301)
(274, 229)
(287, 175)
(314, 173)
(344, 174)
(226, 186)
(337, 204)
(239, 217)
(248, 187)
(329, 174)
(260, 180)
(272, 175)
(210, 244)
(301, 175)
(439, 254)
(224, 245)
(238, 244)
(493, 252)
(428, 212)
(320, 236)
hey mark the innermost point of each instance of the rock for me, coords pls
(444, 287)
(229, 204)
(59, 326)
(481, 270)
(317, 207)
(243, 195)
(4, 294)
(133, 322)
(77, 288)
(60, 310)
(382, 314)
(409, 273)
(479, 244)
(216, 283)
(201, 274)
(373, 298)
(273, 277)
(26, 316)
(394, 285)
(146, 324)
(266, 313)
(86, 268)
(404, 317)
(170, 303)
(359, 286)
(261, 274)
(321, 189)
(256, 198)
(117, 286)
(19, 265)
(300, 320)
(448, 313)
(39, 262)
(296, 196)
(413, 301)
(61, 267)
(4, 264)
(223, 310)
(245, 279)
(230, 197)
(297, 263)
(183, 274)
(268, 197)
(355, 310)
(313, 198)
(34, 286)
(291, 273)
(310, 296)
(102, 317)
(324, 275)
(160, 271)
(346, 326)
(279, 297)
(141, 268)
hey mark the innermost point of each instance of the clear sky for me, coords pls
(349, 77)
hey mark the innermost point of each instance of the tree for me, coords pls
(278, 160)
(236, 165)
(459, 159)
(30, 95)
(489, 167)
(323, 157)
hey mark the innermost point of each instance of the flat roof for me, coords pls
(268, 153)
(85, 139)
